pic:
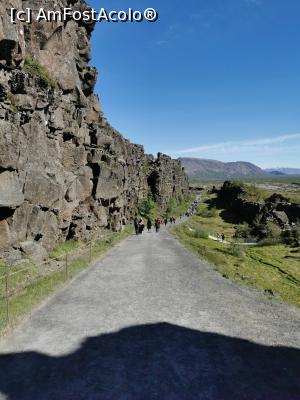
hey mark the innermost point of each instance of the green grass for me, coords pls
(64, 247)
(33, 68)
(273, 268)
(263, 194)
(29, 288)
(261, 189)
(13, 102)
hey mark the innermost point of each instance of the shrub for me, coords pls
(147, 207)
(268, 230)
(273, 231)
(270, 241)
(253, 193)
(170, 207)
(236, 250)
(243, 231)
(32, 67)
(207, 213)
(291, 237)
(200, 233)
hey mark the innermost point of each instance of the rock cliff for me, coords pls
(64, 171)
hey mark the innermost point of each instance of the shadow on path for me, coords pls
(159, 361)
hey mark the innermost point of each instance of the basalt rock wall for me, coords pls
(64, 171)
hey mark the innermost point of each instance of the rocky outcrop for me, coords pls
(277, 208)
(64, 171)
(249, 211)
(291, 210)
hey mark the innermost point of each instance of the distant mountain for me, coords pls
(283, 171)
(275, 173)
(211, 169)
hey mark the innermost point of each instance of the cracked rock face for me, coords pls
(64, 171)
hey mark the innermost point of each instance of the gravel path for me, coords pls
(150, 321)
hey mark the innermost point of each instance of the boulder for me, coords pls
(11, 142)
(277, 198)
(34, 251)
(81, 187)
(102, 215)
(42, 190)
(11, 195)
(4, 234)
(280, 217)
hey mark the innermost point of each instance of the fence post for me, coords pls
(90, 251)
(110, 216)
(67, 272)
(6, 293)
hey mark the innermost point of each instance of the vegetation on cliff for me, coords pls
(32, 67)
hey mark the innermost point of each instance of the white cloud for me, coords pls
(161, 42)
(270, 145)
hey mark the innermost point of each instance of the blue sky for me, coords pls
(211, 78)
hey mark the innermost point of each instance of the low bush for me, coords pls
(268, 230)
(253, 193)
(236, 250)
(243, 231)
(147, 207)
(291, 237)
(273, 230)
(208, 213)
(200, 233)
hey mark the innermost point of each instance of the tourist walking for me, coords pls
(141, 226)
(157, 225)
(149, 224)
(136, 225)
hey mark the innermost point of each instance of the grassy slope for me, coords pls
(275, 268)
(29, 288)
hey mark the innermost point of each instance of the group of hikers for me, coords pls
(139, 225)
(221, 238)
(193, 207)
